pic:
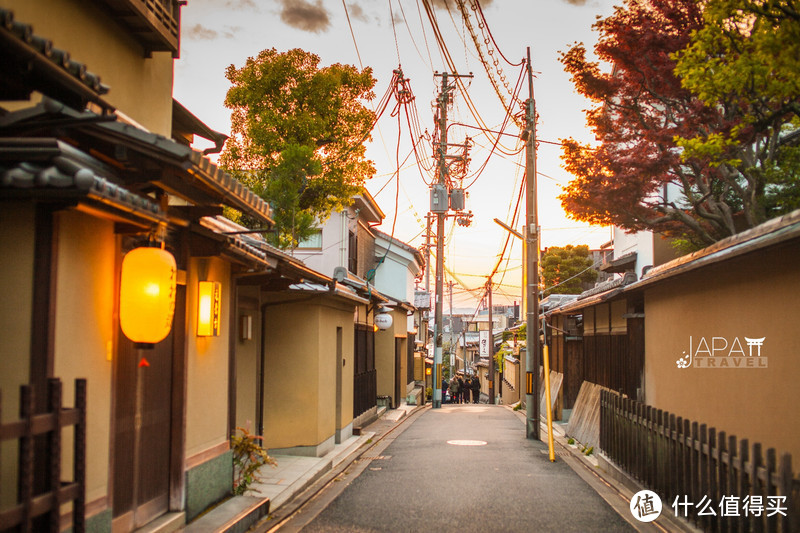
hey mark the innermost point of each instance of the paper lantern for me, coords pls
(383, 320)
(208, 307)
(147, 295)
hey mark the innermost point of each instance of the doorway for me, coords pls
(339, 365)
(146, 385)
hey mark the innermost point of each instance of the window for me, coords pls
(312, 242)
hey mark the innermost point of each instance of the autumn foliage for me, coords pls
(644, 173)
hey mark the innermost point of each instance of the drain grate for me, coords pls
(558, 453)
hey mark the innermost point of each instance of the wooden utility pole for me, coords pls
(440, 205)
(452, 348)
(441, 214)
(491, 343)
(531, 268)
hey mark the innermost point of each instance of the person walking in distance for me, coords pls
(476, 389)
(455, 391)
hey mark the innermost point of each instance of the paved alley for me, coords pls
(459, 468)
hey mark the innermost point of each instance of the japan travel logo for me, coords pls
(722, 352)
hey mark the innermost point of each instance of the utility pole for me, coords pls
(427, 282)
(491, 343)
(531, 267)
(440, 199)
(452, 348)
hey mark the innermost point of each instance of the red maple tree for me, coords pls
(635, 176)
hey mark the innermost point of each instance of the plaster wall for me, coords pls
(140, 87)
(640, 242)
(394, 277)
(385, 354)
(291, 375)
(333, 316)
(753, 296)
(16, 286)
(207, 362)
(300, 371)
(247, 355)
(84, 334)
(334, 246)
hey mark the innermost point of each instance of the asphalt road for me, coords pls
(424, 479)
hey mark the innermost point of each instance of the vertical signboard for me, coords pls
(484, 343)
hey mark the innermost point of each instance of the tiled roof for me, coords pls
(620, 264)
(48, 69)
(397, 242)
(60, 167)
(230, 191)
(770, 233)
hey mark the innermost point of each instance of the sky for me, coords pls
(388, 34)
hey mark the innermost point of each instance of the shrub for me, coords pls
(248, 458)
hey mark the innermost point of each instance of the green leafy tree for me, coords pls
(745, 62)
(565, 270)
(297, 136)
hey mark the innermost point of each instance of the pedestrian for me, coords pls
(476, 389)
(444, 390)
(462, 388)
(455, 391)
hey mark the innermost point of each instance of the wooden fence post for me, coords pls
(744, 485)
(770, 488)
(785, 475)
(702, 478)
(723, 468)
(672, 477)
(26, 457)
(79, 458)
(757, 524)
(54, 393)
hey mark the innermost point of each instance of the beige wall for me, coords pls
(755, 296)
(385, 354)
(84, 333)
(247, 354)
(16, 286)
(207, 363)
(140, 87)
(300, 371)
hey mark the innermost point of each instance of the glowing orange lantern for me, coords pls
(208, 308)
(147, 295)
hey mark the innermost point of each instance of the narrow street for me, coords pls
(460, 468)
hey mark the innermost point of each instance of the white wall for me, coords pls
(640, 242)
(334, 250)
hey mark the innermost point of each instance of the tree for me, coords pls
(297, 136)
(565, 270)
(746, 61)
(641, 176)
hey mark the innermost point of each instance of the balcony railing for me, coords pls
(154, 23)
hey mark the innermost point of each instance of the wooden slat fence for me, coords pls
(684, 462)
(30, 428)
(365, 391)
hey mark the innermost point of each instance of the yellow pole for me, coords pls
(548, 406)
